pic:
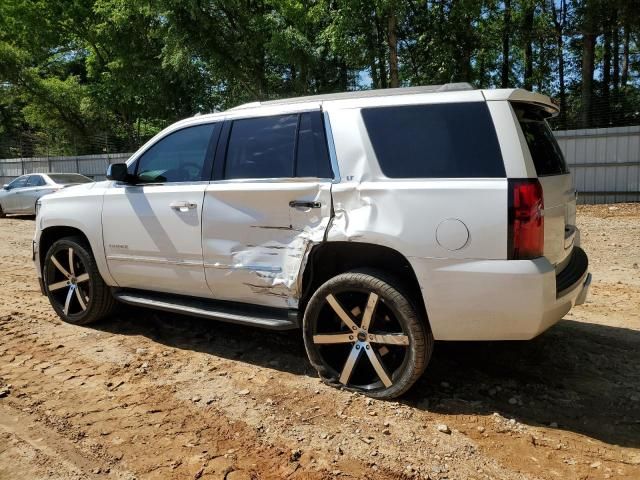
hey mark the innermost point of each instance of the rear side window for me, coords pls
(35, 181)
(281, 146)
(451, 140)
(312, 156)
(545, 152)
(262, 147)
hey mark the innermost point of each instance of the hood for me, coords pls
(72, 190)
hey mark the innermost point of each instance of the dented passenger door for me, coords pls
(270, 201)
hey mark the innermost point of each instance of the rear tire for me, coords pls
(363, 334)
(2, 214)
(73, 283)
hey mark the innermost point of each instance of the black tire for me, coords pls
(2, 214)
(396, 331)
(77, 293)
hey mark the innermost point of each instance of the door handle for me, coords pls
(183, 206)
(304, 204)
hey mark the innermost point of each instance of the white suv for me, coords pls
(376, 221)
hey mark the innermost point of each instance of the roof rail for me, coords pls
(381, 92)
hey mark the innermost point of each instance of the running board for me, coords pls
(240, 313)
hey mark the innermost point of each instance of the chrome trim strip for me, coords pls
(162, 261)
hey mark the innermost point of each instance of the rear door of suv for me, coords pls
(269, 200)
(555, 179)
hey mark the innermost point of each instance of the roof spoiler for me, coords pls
(523, 96)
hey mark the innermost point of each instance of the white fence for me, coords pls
(605, 163)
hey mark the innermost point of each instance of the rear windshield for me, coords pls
(69, 178)
(450, 140)
(545, 152)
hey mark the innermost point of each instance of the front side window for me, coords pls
(449, 140)
(18, 182)
(179, 157)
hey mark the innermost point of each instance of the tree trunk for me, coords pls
(588, 47)
(392, 37)
(625, 56)
(616, 52)
(606, 75)
(506, 32)
(344, 76)
(375, 78)
(559, 21)
(382, 66)
(372, 51)
(528, 48)
(563, 88)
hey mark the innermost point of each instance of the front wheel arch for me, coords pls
(73, 284)
(50, 235)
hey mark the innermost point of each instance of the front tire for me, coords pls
(73, 284)
(363, 334)
(2, 214)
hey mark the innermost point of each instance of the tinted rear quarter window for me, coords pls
(450, 140)
(545, 152)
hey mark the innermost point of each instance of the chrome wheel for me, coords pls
(67, 281)
(360, 339)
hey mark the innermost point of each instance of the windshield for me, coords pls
(63, 178)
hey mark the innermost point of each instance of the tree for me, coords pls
(506, 38)
(588, 52)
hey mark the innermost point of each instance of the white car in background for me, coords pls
(375, 221)
(21, 195)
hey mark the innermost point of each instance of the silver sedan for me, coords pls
(21, 195)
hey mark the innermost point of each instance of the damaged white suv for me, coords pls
(376, 221)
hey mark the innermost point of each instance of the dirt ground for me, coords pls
(149, 395)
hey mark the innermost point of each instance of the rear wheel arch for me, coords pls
(329, 259)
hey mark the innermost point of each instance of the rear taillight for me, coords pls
(526, 219)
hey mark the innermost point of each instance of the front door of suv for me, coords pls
(269, 201)
(152, 226)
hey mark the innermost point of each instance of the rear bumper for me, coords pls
(498, 299)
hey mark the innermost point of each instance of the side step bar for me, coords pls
(243, 314)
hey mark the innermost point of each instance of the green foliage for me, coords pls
(81, 76)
